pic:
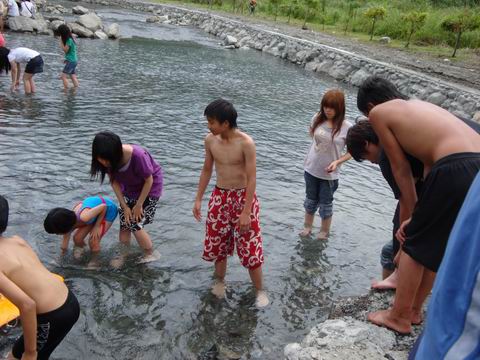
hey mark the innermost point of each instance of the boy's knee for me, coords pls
(325, 210)
(310, 206)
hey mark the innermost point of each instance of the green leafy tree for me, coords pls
(292, 5)
(275, 4)
(310, 6)
(416, 20)
(375, 14)
(351, 9)
(460, 23)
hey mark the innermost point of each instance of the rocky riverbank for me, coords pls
(342, 65)
(346, 334)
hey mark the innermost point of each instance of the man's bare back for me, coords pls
(20, 265)
(229, 156)
(424, 130)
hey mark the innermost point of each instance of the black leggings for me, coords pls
(52, 327)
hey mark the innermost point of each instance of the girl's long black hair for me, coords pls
(108, 146)
(65, 33)
(4, 63)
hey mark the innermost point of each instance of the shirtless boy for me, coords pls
(48, 309)
(450, 152)
(233, 209)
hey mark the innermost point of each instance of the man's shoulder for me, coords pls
(245, 138)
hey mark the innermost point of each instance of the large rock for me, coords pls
(436, 98)
(90, 21)
(24, 24)
(80, 30)
(99, 34)
(80, 10)
(344, 338)
(55, 24)
(359, 76)
(113, 31)
(230, 40)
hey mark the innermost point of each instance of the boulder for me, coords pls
(230, 40)
(90, 21)
(24, 24)
(152, 19)
(80, 10)
(436, 98)
(55, 24)
(113, 31)
(359, 76)
(384, 40)
(99, 34)
(80, 30)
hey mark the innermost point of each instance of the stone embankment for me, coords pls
(341, 65)
(87, 25)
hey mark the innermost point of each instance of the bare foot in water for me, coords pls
(323, 235)
(384, 318)
(389, 283)
(262, 299)
(307, 231)
(154, 256)
(118, 262)
(218, 289)
(78, 252)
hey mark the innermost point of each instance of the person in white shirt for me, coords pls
(11, 60)
(28, 9)
(12, 8)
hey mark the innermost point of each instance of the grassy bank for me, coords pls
(348, 18)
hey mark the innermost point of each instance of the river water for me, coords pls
(151, 88)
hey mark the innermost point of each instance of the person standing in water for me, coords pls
(233, 209)
(48, 309)
(136, 179)
(328, 131)
(11, 60)
(69, 47)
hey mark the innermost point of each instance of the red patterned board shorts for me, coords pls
(222, 232)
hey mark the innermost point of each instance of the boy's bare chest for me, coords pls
(227, 153)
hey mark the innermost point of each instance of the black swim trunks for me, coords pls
(441, 198)
(35, 65)
(52, 327)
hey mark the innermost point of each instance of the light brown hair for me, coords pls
(334, 99)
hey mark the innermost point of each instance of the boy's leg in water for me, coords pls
(27, 83)
(79, 240)
(74, 80)
(145, 242)
(256, 276)
(218, 288)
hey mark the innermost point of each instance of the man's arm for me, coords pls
(401, 169)
(28, 312)
(205, 176)
(251, 172)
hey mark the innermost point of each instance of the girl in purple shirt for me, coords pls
(137, 182)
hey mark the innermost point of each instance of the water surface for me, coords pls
(151, 88)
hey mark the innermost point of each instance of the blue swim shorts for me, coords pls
(70, 67)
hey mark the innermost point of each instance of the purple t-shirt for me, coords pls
(133, 174)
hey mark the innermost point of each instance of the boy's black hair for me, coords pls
(358, 136)
(108, 146)
(222, 110)
(60, 221)
(3, 214)
(4, 62)
(376, 90)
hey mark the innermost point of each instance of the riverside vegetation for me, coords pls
(431, 25)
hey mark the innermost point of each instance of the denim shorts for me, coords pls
(387, 256)
(70, 67)
(319, 195)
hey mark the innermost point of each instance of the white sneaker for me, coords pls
(262, 299)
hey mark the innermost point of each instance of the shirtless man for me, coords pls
(450, 152)
(48, 310)
(233, 210)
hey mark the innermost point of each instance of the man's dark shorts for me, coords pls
(34, 66)
(442, 196)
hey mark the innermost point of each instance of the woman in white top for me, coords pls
(28, 9)
(328, 130)
(11, 60)
(12, 8)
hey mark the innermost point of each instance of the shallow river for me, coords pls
(151, 88)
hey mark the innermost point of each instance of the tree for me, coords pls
(460, 23)
(275, 4)
(351, 10)
(292, 4)
(375, 13)
(310, 6)
(416, 20)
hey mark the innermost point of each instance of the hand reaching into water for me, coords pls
(197, 210)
